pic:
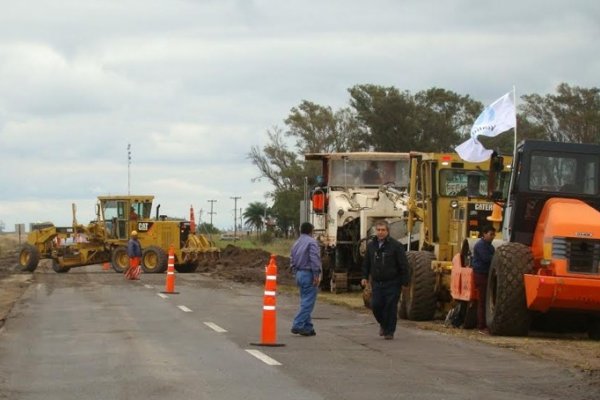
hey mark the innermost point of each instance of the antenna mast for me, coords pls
(128, 169)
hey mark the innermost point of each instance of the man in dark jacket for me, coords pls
(387, 267)
(483, 252)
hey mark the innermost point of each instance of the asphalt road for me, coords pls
(90, 334)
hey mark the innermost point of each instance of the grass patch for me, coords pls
(352, 300)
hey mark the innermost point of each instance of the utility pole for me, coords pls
(265, 217)
(128, 168)
(235, 199)
(211, 213)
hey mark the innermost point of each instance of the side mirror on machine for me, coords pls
(496, 168)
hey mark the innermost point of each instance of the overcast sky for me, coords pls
(193, 84)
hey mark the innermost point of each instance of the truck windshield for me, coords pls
(564, 173)
(461, 182)
(364, 173)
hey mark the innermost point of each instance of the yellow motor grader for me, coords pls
(449, 197)
(105, 239)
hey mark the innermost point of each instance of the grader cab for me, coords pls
(105, 239)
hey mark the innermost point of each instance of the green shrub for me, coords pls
(267, 237)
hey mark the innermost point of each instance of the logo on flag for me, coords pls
(485, 122)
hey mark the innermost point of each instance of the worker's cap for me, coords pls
(133, 233)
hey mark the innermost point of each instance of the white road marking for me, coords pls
(215, 327)
(149, 286)
(164, 296)
(184, 309)
(263, 357)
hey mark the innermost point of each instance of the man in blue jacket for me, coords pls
(387, 266)
(483, 252)
(305, 261)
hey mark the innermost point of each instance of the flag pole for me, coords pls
(506, 230)
(515, 139)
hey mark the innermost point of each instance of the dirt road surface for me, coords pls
(573, 351)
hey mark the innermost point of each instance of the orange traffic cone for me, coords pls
(192, 220)
(170, 282)
(269, 316)
(496, 216)
(105, 266)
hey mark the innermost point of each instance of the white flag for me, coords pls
(473, 151)
(496, 118)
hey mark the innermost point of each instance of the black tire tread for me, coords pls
(118, 253)
(162, 260)
(507, 313)
(32, 254)
(421, 298)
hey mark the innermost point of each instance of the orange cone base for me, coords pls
(170, 292)
(268, 344)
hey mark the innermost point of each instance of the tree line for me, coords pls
(387, 119)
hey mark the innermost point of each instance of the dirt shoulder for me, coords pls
(574, 351)
(12, 283)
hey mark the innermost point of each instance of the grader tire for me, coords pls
(58, 269)
(29, 257)
(506, 307)
(119, 259)
(154, 260)
(405, 291)
(420, 297)
(186, 268)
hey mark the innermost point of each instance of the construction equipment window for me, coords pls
(570, 173)
(369, 173)
(139, 211)
(460, 182)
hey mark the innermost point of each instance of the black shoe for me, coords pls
(308, 333)
(295, 331)
(389, 337)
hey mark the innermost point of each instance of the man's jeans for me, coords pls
(308, 296)
(481, 281)
(384, 302)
